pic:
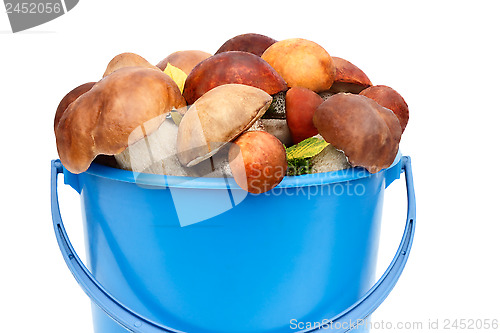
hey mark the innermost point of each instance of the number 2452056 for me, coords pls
(34, 8)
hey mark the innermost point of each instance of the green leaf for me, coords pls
(298, 167)
(299, 155)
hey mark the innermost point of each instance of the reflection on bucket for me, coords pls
(157, 154)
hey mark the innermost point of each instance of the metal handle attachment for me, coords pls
(134, 322)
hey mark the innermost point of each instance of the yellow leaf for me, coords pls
(177, 75)
(306, 149)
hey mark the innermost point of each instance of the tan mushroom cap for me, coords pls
(102, 120)
(217, 118)
(70, 98)
(366, 132)
(184, 60)
(302, 63)
(127, 59)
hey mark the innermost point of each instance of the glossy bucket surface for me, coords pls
(258, 263)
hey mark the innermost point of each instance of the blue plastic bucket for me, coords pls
(169, 254)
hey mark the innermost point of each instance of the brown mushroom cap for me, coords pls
(391, 99)
(216, 118)
(127, 59)
(102, 120)
(348, 77)
(366, 132)
(70, 98)
(251, 43)
(184, 60)
(232, 67)
(258, 161)
(302, 63)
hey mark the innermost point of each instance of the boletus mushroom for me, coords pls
(103, 120)
(232, 67)
(156, 153)
(366, 132)
(70, 98)
(251, 43)
(184, 60)
(179, 64)
(217, 118)
(127, 59)
(348, 77)
(391, 99)
(258, 161)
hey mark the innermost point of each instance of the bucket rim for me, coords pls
(154, 180)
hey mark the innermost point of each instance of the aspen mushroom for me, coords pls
(301, 103)
(258, 161)
(301, 63)
(102, 120)
(366, 132)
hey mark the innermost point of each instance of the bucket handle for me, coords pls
(134, 322)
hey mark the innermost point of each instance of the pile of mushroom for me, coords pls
(231, 114)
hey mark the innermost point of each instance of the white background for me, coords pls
(443, 57)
